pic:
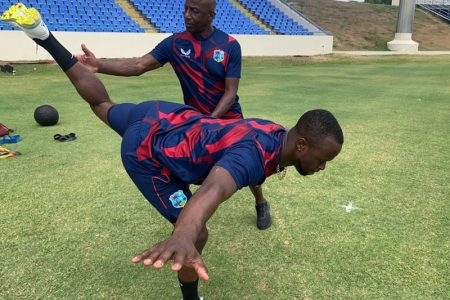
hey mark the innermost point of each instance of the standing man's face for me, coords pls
(198, 15)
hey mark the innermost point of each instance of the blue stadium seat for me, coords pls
(79, 15)
(273, 17)
(167, 16)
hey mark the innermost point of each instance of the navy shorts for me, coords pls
(167, 194)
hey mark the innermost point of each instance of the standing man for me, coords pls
(207, 62)
(154, 149)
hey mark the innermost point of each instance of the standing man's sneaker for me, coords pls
(27, 19)
(263, 219)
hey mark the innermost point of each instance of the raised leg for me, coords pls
(90, 88)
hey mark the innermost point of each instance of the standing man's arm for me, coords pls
(232, 76)
(228, 98)
(180, 246)
(123, 67)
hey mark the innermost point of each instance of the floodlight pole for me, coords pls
(403, 36)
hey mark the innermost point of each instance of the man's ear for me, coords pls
(301, 144)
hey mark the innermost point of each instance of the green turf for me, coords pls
(71, 220)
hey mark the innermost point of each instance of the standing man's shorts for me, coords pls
(167, 194)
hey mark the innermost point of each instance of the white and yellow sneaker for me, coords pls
(27, 19)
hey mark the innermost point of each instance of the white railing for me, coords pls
(439, 8)
(434, 2)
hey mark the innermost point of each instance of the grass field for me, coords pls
(71, 220)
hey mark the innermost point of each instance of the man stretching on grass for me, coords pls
(207, 62)
(167, 146)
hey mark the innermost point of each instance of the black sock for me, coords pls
(189, 289)
(62, 56)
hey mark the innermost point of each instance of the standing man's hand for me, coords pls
(177, 248)
(88, 59)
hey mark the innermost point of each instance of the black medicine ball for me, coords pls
(46, 115)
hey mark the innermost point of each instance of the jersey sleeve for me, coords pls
(163, 51)
(244, 163)
(235, 62)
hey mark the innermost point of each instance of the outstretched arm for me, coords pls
(180, 246)
(122, 67)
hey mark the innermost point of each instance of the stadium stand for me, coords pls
(165, 16)
(232, 20)
(79, 15)
(168, 16)
(274, 18)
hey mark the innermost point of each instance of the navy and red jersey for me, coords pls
(202, 66)
(186, 144)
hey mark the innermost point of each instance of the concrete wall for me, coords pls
(16, 46)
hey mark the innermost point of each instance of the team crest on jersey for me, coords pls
(185, 53)
(219, 55)
(178, 199)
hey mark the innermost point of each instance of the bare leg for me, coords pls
(189, 274)
(86, 83)
(91, 89)
(258, 194)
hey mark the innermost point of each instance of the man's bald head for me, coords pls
(199, 15)
(209, 4)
